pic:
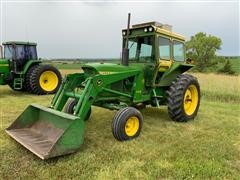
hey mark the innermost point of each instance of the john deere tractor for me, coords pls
(150, 74)
(22, 71)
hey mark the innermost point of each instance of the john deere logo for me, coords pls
(99, 82)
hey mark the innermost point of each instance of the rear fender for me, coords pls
(171, 74)
(29, 64)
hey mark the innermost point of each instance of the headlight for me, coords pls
(150, 29)
(124, 33)
(145, 30)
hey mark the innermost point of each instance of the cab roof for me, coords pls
(164, 29)
(20, 43)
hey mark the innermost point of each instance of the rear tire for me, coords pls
(45, 79)
(127, 124)
(27, 84)
(183, 98)
(70, 108)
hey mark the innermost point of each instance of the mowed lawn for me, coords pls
(207, 147)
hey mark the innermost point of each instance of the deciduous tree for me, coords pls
(202, 49)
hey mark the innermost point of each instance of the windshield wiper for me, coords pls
(132, 43)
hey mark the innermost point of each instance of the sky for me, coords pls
(92, 29)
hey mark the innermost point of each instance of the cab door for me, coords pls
(165, 53)
(165, 58)
(145, 55)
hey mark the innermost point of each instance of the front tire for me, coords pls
(183, 98)
(69, 108)
(127, 124)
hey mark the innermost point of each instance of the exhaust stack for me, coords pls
(125, 51)
(1, 51)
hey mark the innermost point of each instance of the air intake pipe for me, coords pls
(125, 51)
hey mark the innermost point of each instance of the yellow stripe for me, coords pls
(170, 33)
(3, 64)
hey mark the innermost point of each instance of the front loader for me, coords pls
(23, 71)
(151, 73)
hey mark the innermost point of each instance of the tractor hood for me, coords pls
(109, 68)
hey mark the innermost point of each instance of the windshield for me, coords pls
(141, 49)
(23, 52)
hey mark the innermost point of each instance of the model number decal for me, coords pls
(105, 72)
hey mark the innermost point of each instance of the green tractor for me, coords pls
(22, 70)
(151, 73)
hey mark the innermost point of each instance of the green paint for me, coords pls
(4, 71)
(171, 74)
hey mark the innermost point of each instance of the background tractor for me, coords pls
(151, 73)
(22, 71)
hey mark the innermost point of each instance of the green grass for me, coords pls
(70, 64)
(66, 65)
(206, 148)
(219, 87)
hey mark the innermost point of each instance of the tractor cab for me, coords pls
(156, 47)
(19, 53)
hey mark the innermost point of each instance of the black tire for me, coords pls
(35, 78)
(69, 108)
(27, 84)
(119, 123)
(178, 99)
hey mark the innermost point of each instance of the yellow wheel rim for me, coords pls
(132, 126)
(191, 100)
(48, 81)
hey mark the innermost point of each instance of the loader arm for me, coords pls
(94, 90)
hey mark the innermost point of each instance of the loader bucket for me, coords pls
(47, 132)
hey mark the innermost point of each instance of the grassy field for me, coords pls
(206, 148)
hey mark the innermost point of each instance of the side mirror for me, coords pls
(189, 61)
(1, 51)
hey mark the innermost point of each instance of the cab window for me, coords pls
(178, 51)
(164, 48)
(8, 51)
